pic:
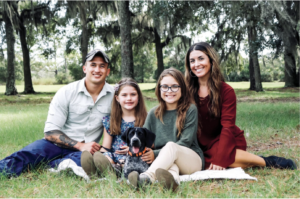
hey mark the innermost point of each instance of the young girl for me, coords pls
(174, 121)
(128, 110)
(222, 142)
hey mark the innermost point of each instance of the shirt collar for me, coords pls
(82, 87)
(106, 88)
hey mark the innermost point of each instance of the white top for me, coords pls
(73, 111)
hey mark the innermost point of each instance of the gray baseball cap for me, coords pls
(94, 52)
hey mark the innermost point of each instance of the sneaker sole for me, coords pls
(166, 178)
(133, 178)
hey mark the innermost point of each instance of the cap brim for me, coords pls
(92, 55)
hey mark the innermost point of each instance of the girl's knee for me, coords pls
(170, 145)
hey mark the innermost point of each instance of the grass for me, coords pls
(271, 128)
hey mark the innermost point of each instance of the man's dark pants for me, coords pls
(35, 153)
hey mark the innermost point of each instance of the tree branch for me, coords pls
(168, 39)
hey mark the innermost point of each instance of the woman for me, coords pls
(174, 121)
(222, 142)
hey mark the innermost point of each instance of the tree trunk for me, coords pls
(126, 44)
(251, 74)
(298, 73)
(28, 87)
(290, 71)
(159, 55)
(84, 35)
(10, 39)
(253, 56)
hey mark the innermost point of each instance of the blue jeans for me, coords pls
(35, 153)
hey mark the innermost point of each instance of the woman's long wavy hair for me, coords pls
(183, 103)
(116, 109)
(214, 82)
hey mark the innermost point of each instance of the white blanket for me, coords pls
(235, 173)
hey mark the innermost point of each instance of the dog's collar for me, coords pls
(137, 154)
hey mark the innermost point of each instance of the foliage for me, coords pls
(162, 29)
(61, 78)
(174, 56)
(144, 63)
(271, 69)
(75, 71)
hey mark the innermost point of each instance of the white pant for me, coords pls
(177, 160)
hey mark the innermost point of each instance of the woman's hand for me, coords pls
(148, 156)
(124, 150)
(215, 167)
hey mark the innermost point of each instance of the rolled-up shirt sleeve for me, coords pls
(58, 111)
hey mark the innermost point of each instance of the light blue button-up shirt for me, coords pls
(73, 111)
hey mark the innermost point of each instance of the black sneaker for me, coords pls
(280, 162)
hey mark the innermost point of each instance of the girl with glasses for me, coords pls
(174, 121)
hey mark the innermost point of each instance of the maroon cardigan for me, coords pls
(220, 137)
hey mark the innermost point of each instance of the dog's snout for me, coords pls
(135, 142)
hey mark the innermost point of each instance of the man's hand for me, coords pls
(148, 156)
(215, 167)
(91, 147)
(124, 150)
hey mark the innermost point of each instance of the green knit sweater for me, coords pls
(167, 131)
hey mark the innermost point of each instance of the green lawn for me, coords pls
(271, 128)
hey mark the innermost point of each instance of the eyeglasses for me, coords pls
(165, 88)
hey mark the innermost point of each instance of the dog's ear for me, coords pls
(150, 137)
(125, 135)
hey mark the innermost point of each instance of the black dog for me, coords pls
(137, 139)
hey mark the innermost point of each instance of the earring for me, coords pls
(191, 73)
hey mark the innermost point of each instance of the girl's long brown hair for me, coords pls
(214, 82)
(183, 103)
(116, 110)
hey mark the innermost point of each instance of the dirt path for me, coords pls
(271, 100)
(273, 144)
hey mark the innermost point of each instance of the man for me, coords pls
(74, 121)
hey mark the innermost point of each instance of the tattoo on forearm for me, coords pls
(65, 139)
(60, 138)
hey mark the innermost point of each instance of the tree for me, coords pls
(282, 17)
(164, 21)
(85, 13)
(236, 20)
(9, 19)
(144, 62)
(125, 33)
(254, 43)
(29, 14)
